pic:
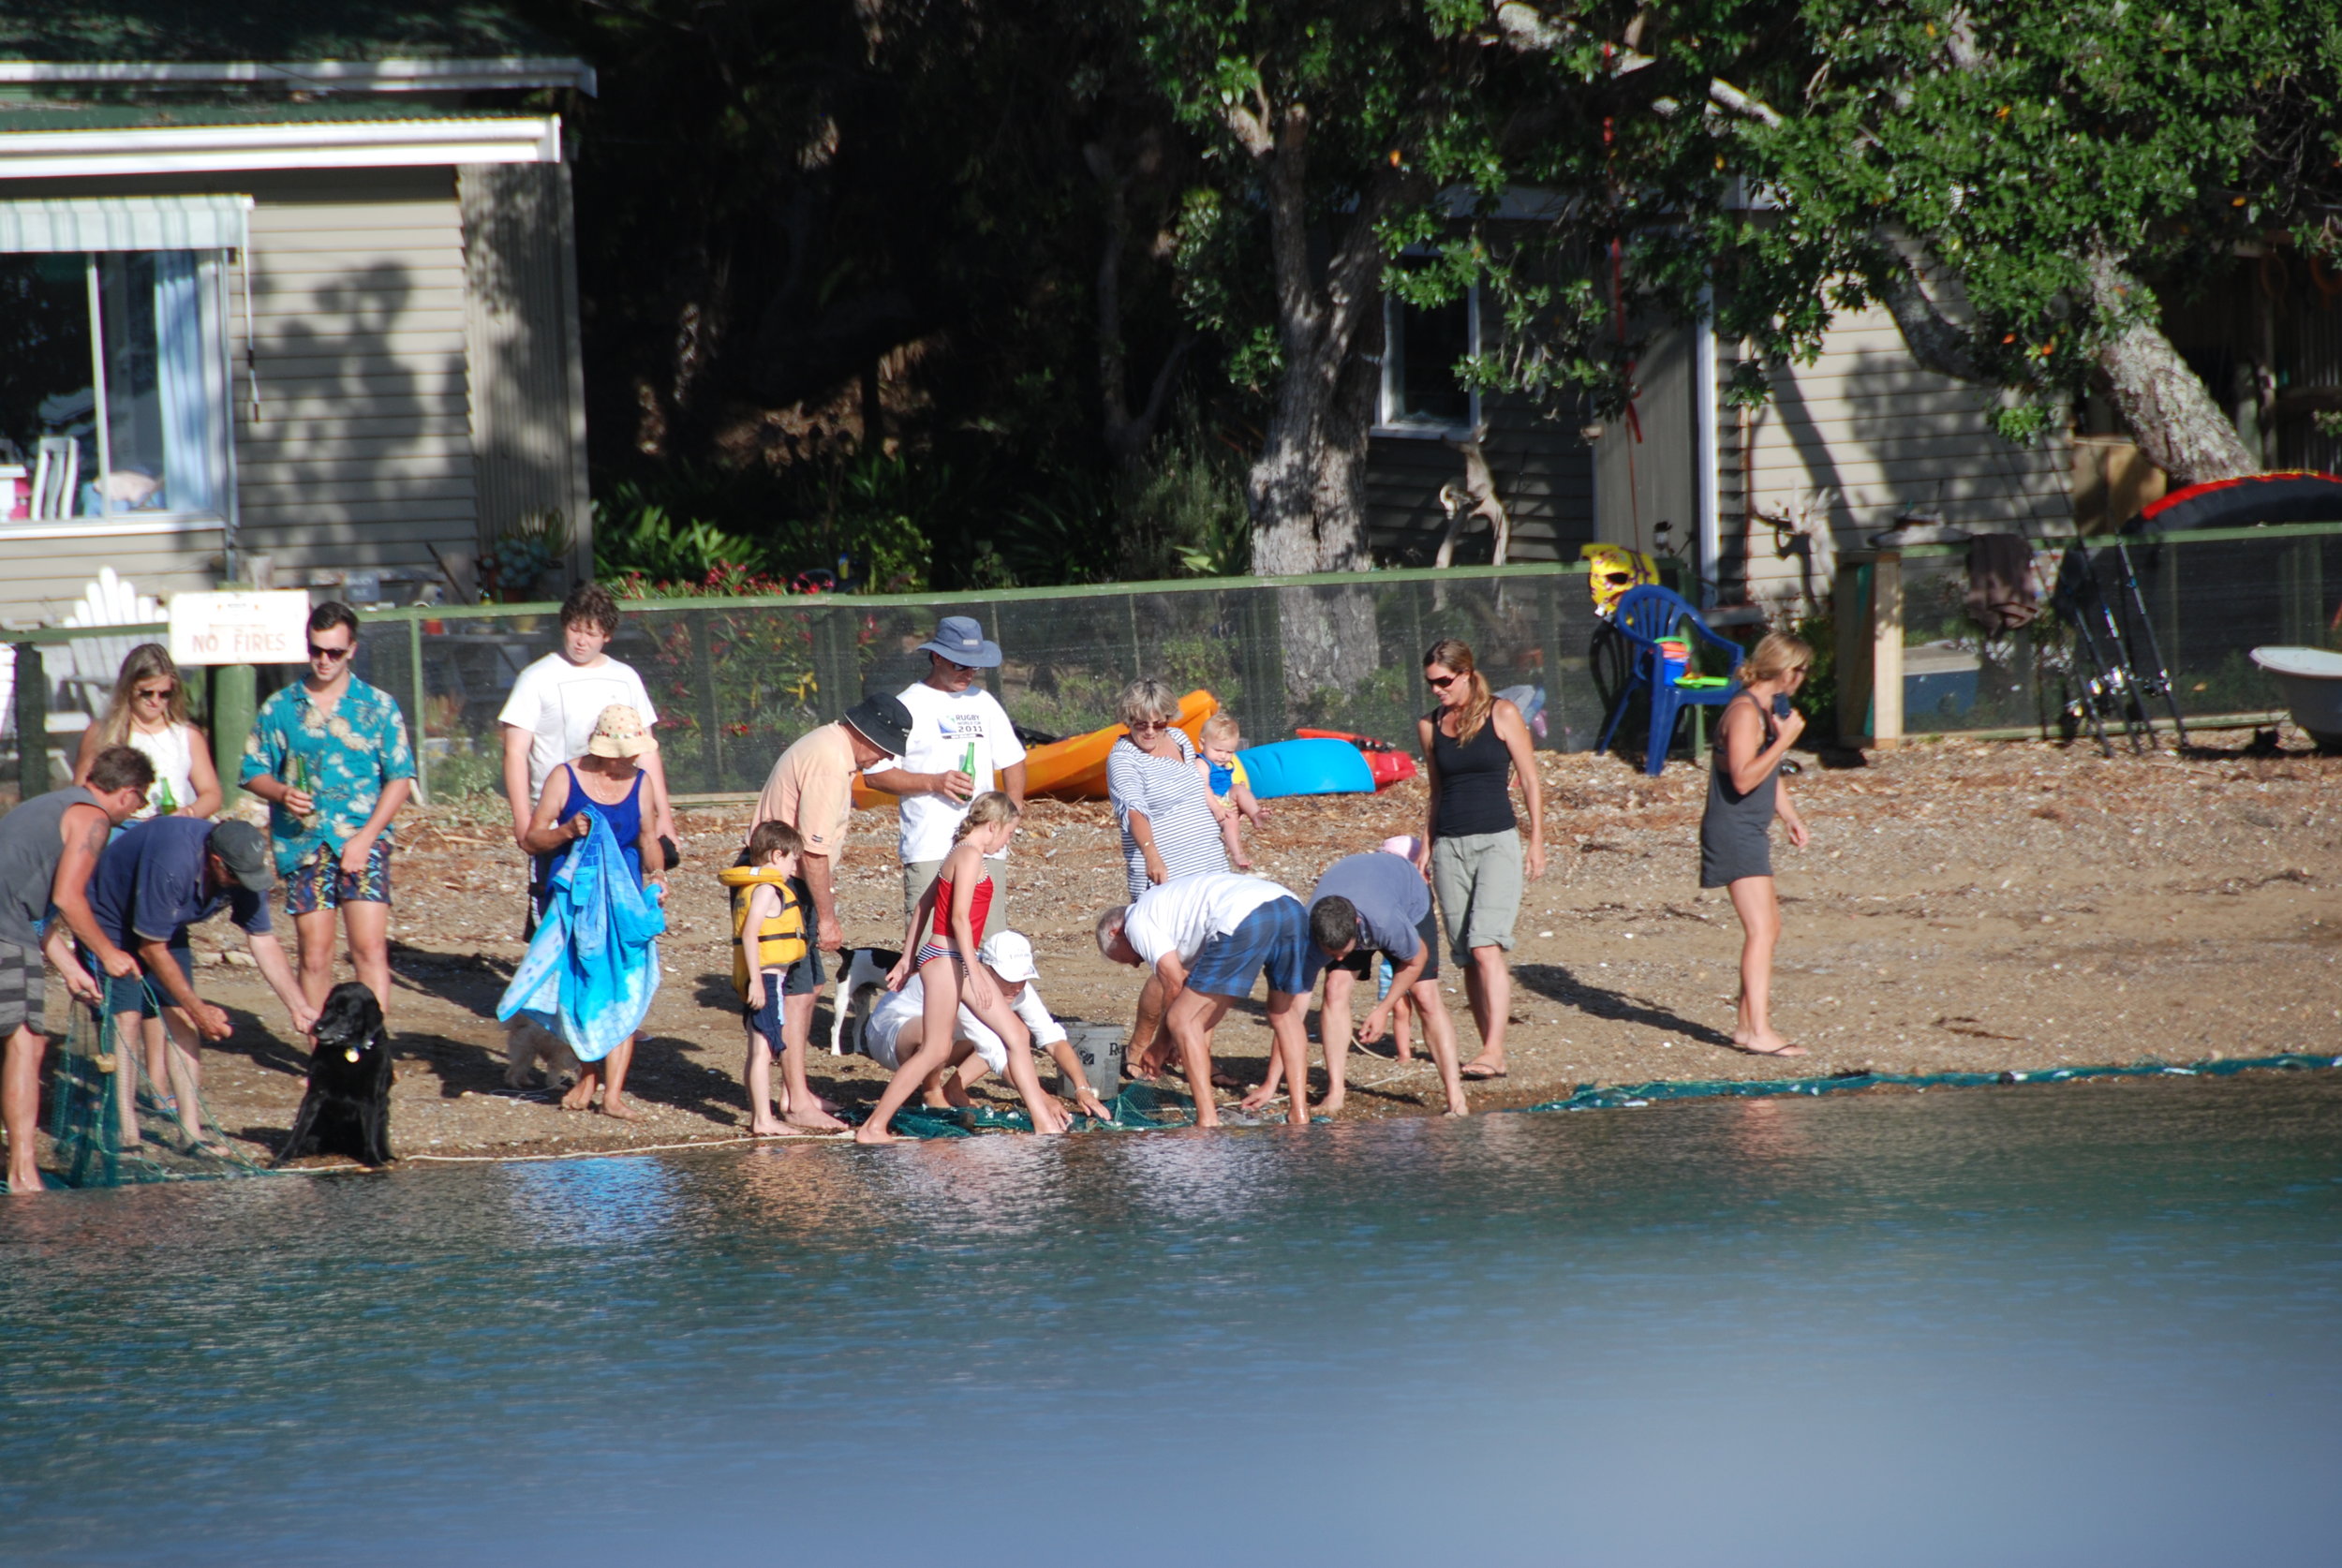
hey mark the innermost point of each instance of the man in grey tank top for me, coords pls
(49, 849)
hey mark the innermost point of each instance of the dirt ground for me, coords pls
(1977, 906)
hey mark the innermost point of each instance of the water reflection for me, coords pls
(1628, 1336)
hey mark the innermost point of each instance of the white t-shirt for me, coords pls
(944, 725)
(896, 1008)
(557, 702)
(1182, 915)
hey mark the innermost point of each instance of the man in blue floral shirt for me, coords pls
(330, 755)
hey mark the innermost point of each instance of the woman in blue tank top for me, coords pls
(607, 782)
(1473, 744)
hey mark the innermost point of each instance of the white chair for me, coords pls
(56, 472)
(88, 665)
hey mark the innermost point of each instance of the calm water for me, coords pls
(2070, 1325)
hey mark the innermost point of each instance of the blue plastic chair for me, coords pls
(1643, 617)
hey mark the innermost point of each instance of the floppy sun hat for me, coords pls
(960, 639)
(620, 732)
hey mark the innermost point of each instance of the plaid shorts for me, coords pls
(319, 882)
(23, 988)
(1275, 937)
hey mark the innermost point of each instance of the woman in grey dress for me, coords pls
(1161, 798)
(1744, 795)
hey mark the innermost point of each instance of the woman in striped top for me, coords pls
(1168, 827)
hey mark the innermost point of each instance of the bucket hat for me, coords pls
(960, 639)
(883, 721)
(618, 733)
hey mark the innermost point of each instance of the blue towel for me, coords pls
(591, 971)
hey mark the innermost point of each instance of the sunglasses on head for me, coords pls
(316, 652)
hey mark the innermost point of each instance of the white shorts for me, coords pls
(883, 1027)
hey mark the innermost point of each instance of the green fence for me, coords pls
(736, 679)
(2211, 598)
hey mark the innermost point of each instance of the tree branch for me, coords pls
(1933, 340)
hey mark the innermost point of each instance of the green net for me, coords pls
(1604, 1097)
(111, 1124)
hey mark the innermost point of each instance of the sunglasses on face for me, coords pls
(1150, 724)
(336, 654)
(1441, 683)
(161, 695)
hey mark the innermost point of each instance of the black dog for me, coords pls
(348, 1108)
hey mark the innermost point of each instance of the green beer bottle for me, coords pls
(162, 800)
(967, 761)
(298, 779)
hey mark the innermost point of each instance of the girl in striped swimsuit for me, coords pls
(953, 912)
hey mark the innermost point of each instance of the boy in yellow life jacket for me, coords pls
(770, 939)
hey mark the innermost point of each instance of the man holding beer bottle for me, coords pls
(330, 755)
(960, 737)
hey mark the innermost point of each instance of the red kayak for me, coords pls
(1388, 764)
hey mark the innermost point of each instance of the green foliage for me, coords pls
(510, 568)
(636, 538)
(2008, 142)
(1818, 697)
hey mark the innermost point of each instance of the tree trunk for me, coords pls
(2172, 413)
(1331, 643)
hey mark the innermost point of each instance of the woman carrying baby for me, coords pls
(951, 912)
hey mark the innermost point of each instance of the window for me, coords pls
(1422, 395)
(112, 386)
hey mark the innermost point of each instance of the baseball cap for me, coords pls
(960, 639)
(883, 721)
(1008, 954)
(244, 850)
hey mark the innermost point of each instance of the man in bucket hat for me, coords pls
(812, 789)
(961, 744)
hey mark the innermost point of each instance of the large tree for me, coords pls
(2032, 166)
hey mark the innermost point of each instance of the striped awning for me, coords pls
(125, 223)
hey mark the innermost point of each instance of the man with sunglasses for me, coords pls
(960, 737)
(330, 755)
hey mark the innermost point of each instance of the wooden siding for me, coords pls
(522, 342)
(1544, 470)
(362, 453)
(1863, 435)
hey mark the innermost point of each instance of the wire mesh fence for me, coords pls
(2209, 599)
(735, 680)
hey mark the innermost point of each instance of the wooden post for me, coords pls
(1855, 579)
(235, 698)
(422, 711)
(1887, 650)
(32, 723)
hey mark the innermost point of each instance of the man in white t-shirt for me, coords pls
(1210, 936)
(551, 711)
(961, 744)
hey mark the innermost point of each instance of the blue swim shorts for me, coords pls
(1274, 937)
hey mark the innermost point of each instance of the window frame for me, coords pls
(211, 326)
(1388, 421)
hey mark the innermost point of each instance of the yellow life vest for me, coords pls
(780, 940)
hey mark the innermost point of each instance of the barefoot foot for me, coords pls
(819, 1121)
(870, 1133)
(613, 1106)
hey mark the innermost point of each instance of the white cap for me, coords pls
(1009, 955)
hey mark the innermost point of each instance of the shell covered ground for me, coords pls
(1977, 906)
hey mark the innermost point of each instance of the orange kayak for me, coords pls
(1074, 768)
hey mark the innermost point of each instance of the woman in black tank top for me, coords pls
(1473, 743)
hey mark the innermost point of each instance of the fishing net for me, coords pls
(1600, 1096)
(110, 1125)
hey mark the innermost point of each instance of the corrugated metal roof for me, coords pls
(208, 30)
(28, 117)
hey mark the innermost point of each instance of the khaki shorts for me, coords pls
(919, 875)
(1478, 879)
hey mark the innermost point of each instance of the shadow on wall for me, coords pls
(1848, 444)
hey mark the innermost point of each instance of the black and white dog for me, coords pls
(866, 971)
(348, 1108)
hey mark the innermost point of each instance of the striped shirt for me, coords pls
(1177, 804)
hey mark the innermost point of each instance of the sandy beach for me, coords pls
(1963, 906)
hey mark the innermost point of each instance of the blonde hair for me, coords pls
(1455, 654)
(1774, 656)
(1220, 727)
(985, 809)
(145, 662)
(1146, 699)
